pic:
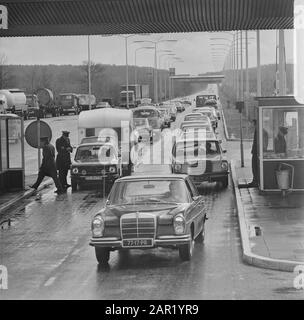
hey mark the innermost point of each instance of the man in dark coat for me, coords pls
(63, 160)
(48, 165)
(254, 159)
(279, 140)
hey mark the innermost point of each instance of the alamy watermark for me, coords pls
(298, 281)
(3, 17)
(3, 277)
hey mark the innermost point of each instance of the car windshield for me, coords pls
(96, 153)
(138, 122)
(149, 191)
(144, 113)
(202, 149)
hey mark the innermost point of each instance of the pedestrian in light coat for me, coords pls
(63, 160)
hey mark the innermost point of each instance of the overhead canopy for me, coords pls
(82, 17)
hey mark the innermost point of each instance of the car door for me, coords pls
(199, 215)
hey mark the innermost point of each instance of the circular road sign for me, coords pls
(31, 133)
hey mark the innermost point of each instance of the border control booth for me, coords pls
(280, 144)
(11, 153)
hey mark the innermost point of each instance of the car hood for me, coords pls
(163, 212)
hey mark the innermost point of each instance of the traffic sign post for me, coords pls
(34, 131)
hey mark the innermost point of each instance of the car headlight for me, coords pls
(83, 172)
(112, 169)
(179, 224)
(177, 167)
(97, 226)
(75, 170)
(224, 165)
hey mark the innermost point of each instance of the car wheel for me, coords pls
(186, 250)
(201, 236)
(225, 182)
(74, 185)
(102, 255)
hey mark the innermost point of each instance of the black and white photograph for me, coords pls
(151, 150)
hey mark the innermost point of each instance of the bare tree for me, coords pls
(97, 71)
(6, 78)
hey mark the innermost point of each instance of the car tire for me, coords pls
(225, 182)
(102, 255)
(74, 185)
(186, 250)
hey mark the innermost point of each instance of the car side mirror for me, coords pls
(196, 198)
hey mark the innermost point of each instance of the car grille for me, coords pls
(137, 225)
(97, 170)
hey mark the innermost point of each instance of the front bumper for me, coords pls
(87, 179)
(209, 177)
(161, 241)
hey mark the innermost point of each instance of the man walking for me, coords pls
(48, 165)
(254, 159)
(63, 160)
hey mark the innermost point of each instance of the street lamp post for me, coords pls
(135, 54)
(89, 72)
(155, 61)
(160, 80)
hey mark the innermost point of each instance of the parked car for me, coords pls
(202, 160)
(150, 211)
(179, 107)
(96, 161)
(154, 117)
(165, 112)
(143, 129)
(102, 104)
(172, 110)
(210, 112)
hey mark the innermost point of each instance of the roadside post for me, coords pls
(240, 107)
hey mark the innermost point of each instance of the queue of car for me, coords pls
(149, 211)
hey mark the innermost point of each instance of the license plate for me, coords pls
(132, 243)
(94, 178)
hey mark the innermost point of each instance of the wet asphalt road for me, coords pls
(47, 255)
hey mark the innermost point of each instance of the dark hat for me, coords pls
(65, 132)
(283, 129)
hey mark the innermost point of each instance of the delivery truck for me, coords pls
(136, 93)
(15, 101)
(47, 103)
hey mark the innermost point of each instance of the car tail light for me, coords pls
(177, 167)
(112, 169)
(75, 170)
(83, 172)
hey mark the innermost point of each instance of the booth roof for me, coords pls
(104, 118)
(8, 116)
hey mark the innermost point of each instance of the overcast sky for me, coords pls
(194, 48)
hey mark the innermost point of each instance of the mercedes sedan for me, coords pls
(147, 212)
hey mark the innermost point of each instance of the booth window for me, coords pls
(15, 147)
(3, 136)
(283, 133)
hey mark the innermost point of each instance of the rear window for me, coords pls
(144, 113)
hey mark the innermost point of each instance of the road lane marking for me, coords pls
(50, 281)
